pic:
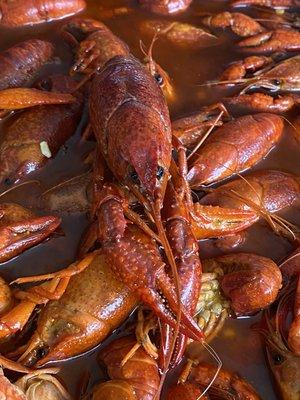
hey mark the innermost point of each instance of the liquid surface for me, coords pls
(238, 345)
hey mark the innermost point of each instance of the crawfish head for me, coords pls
(131, 122)
(284, 365)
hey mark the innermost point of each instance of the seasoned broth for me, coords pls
(238, 344)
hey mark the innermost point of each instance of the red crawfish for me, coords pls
(278, 40)
(20, 63)
(266, 3)
(14, 13)
(85, 304)
(37, 134)
(283, 76)
(98, 46)
(262, 102)
(240, 24)
(284, 364)
(21, 229)
(179, 33)
(137, 379)
(131, 123)
(165, 6)
(33, 385)
(225, 385)
(264, 192)
(251, 282)
(226, 151)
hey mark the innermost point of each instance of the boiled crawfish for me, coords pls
(21, 229)
(85, 303)
(37, 134)
(225, 385)
(240, 24)
(226, 152)
(14, 13)
(137, 379)
(19, 64)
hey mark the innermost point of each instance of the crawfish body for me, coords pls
(226, 151)
(21, 150)
(93, 305)
(19, 64)
(269, 190)
(15, 13)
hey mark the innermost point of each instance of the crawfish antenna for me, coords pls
(214, 355)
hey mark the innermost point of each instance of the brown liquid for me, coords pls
(238, 346)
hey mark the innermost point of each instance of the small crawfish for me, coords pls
(283, 40)
(21, 229)
(179, 33)
(240, 24)
(85, 303)
(225, 385)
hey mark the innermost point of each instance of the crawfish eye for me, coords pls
(277, 82)
(159, 79)
(160, 172)
(134, 177)
(46, 84)
(278, 359)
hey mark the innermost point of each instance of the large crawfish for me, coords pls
(227, 152)
(14, 13)
(19, 64)
(131, 123)
(87, 304)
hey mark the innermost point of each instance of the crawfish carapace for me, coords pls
(131, 123)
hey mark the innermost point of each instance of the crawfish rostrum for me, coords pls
(149, 200)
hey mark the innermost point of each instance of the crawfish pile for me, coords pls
(149, 199)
